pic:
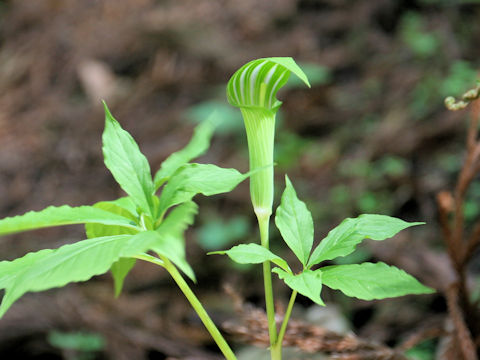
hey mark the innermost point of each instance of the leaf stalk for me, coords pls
(197, 306)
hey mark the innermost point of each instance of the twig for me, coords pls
(464, 337)
(433, 330)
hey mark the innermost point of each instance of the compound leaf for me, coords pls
(295, 223)
(193, 179)
(343, 239)
(197, 146)
(369, 281)
(63, 215)
(308, 283)
(48, 268)
(127, 164)
(252, 254)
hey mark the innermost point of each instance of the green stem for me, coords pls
(263, 223)
(197, 306)
(283, 328)
(260, 128)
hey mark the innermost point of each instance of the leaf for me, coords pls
(256, 83)
(171, 240)
(193, 179)
(308, 283)
(369, 281)
(179, 219)
(120, 270)
(128, 205)
(295, 223)
(62, 215)
(340, 241)
(126, 208)
(48, 268)
(197, 146)
(127, 164)
(343, 239)
(252, 254)
(115, 207)
(381, 227)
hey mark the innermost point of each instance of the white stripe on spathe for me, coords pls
(273, 92)
(242, 81)
(270, 74)
(253, 78)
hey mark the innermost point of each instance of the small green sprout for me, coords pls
(473, 94)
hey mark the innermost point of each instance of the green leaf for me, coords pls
(381, 227)
(343, 239)
(193, 179)
(48, 268)
(120, 270)
(252, 254)
(340, 241)
(115, 207)
(308, 283)
(171, 241)
(295, 223)
(256, 83)
(62, 215)
(127, 164)
(369, 281)
(197, 146)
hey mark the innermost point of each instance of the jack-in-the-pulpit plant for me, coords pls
(253, 89)
(142, 225)
(149, 223)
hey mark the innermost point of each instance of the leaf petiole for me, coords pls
(286, 318)
(197, 306)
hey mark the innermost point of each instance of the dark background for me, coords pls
(372, 135)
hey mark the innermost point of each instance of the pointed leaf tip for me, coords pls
(108, 114)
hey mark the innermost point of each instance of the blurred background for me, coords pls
(371, 136)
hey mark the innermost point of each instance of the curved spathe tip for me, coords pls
(256, 83)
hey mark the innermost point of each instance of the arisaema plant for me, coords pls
(253, 89)
(148, 224)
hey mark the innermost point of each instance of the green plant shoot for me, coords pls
(141, 225)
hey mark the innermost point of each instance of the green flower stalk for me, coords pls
(253, 89)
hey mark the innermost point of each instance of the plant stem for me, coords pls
(283, 328)
(263, 222)
(197, 306)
